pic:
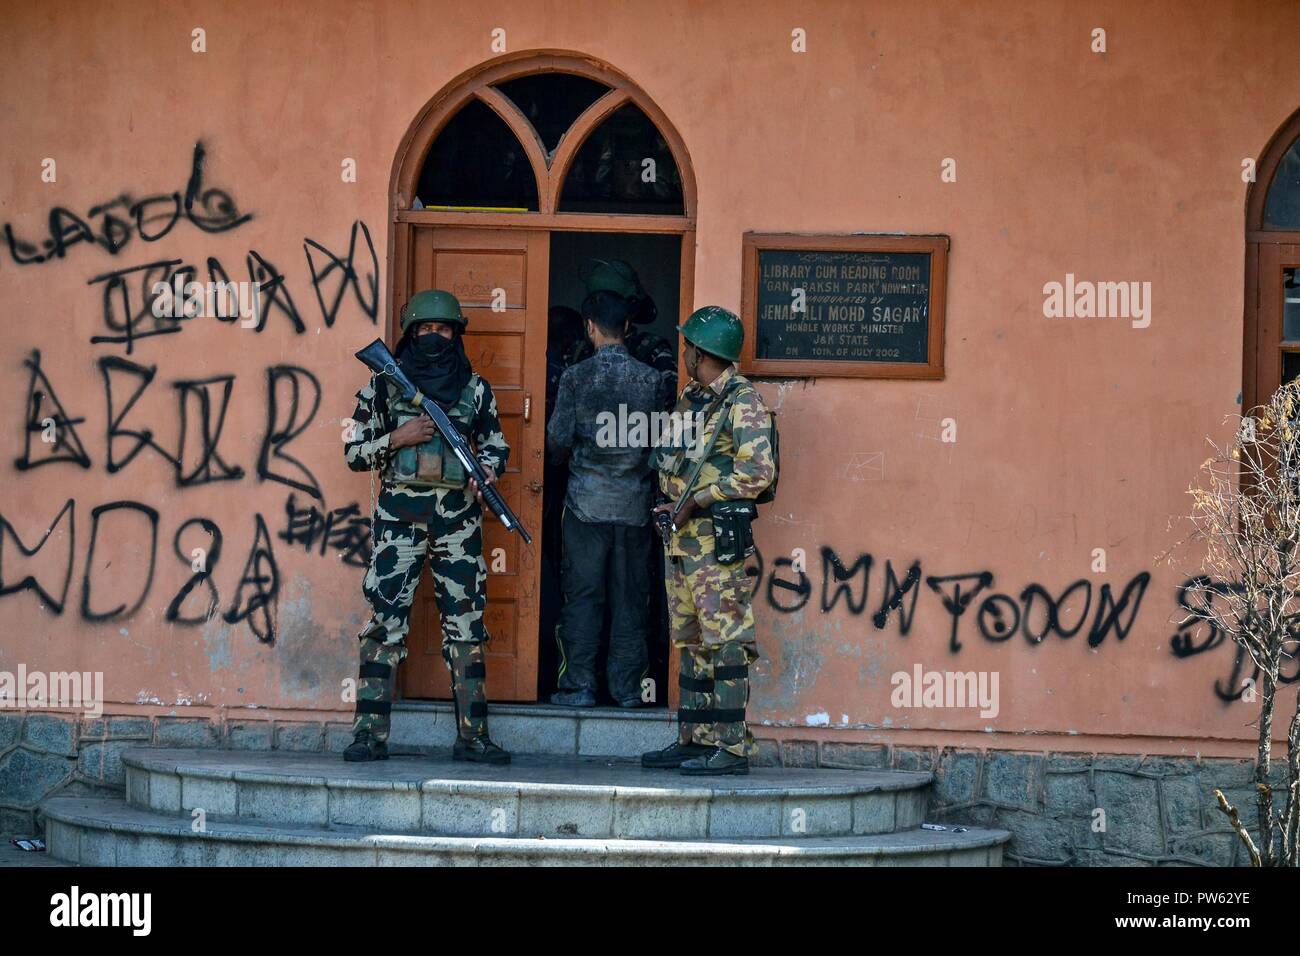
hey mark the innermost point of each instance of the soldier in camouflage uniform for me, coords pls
(428, 507)
(615, 275)
(709, 595)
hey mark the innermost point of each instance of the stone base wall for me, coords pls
(1069, 809)
(44, 754)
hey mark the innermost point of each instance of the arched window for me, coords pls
(624, 166)
(476, 162)
(558, 135)
(552, 102)
(1272, 339)
(1282, 207)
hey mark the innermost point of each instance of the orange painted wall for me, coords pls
(1072, 434)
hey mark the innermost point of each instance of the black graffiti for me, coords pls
(202, 406)
(208, 432)
(131, 530)
(45, 413)
(129, 322)
(1035, 614)
(209, 209)
(367, 298)
(272, 293)
(831, 562)
(144, 376)
(261, 578)
(284, 423)
(800, 587)
(344, 529)
(895, 592)
(119, 540)
(293, 398)
(959, 600)
(211, 554)
(126, 321)
(28, 582)
(1196, 596)
(131, 311)
(1000, 616)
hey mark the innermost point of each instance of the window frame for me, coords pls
(1262, 330)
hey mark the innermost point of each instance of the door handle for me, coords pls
(528, 406)
(535, 486)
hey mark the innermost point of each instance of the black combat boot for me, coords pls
(479, 750)
(673, 756)
(365, 746)
(718, 763)
(469, 698)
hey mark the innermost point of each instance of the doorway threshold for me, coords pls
(423, 726)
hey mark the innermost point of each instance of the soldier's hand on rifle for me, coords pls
(415, 432)
(683, 516)
(491, 480)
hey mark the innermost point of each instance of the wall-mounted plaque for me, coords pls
(855, 306)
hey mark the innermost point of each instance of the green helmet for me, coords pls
(612, 275)
(715, 330)
(432, 305)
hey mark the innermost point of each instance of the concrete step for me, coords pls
(109, 832)
(426, 726)
(533, 796)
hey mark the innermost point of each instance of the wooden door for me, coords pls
(500, 278)
(1277, 345)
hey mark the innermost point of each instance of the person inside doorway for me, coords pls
(605, 523)
(616, 276)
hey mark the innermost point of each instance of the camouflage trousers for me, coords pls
(711, 622)
(453, 548)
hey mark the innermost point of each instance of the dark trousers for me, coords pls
(604, 564)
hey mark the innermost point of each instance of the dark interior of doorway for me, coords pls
(657, 261)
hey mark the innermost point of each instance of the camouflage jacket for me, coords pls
(740, 465)
(645, 347)
(368, 450)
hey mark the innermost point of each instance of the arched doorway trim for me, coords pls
(1271, 254)
(491, 248)
(480, 81)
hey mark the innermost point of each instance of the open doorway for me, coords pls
(656, 261)
(527, 152)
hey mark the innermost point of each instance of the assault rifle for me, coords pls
(380, 360)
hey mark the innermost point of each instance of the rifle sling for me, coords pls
(725, 399)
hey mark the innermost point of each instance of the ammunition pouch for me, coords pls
(733, 535)
(432, 464)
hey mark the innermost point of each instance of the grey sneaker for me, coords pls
(574, 698)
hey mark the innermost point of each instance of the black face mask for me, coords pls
(438, 366)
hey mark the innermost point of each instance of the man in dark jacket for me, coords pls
(606, 509)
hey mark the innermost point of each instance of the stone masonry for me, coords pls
(45, 754)
(1068, 809)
